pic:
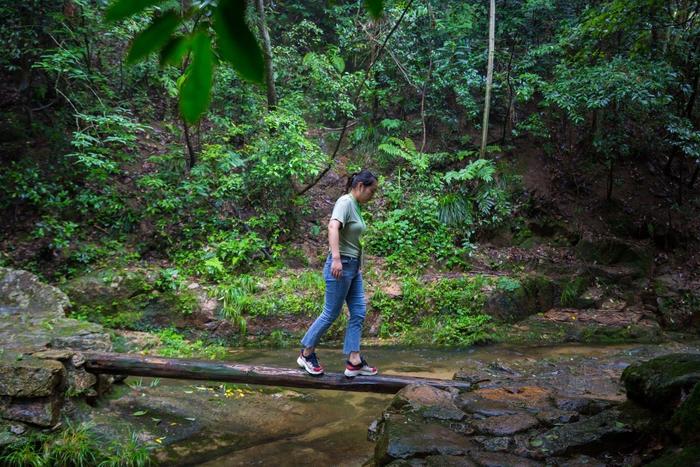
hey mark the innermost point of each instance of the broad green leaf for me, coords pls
(338, 63)
(195, 92)
(154, 37)
(375, 8)
(122, 9)
(236, 43)
(173, 51)
(140, 413)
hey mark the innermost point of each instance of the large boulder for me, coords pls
(534, 294)
(403, 438)
(661, 382)
(139, 298)
(39, 359)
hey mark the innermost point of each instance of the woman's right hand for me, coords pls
(337, 268)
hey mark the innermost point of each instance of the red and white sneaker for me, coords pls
(310, 364)
(362, 369)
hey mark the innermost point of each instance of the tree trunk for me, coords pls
(191, 155)
(611, 166)
(267, 54)
(139, 365)
(509, 107)
(489, 76)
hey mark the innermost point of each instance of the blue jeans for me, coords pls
(348, 289)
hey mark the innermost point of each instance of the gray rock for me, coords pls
(582, 405)
(42, 411)
(594, 433)
(428, 401)
(403, 438)
(556, 417)
(500, 459)
(505, 425)
(495, 444)
(29, 377)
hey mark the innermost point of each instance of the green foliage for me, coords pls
(236, 43)
(446, 312)
(508, 284)
(571, 291)
(195, 90)
(289, 294)
(474, 199)
(74, 446)
(174, 344)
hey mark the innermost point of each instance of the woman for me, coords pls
(343, 279)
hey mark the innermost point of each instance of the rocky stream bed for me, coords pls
(566, 404)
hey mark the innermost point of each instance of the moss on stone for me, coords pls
(659, 382)
(686, 420)
(683, 457)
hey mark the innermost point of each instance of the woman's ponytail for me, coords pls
(364, 176)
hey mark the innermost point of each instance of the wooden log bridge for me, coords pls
(180, 368)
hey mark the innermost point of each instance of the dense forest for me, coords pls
(172, 165)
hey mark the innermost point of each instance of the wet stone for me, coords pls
(42, 411)
(579, 461)
(449, 461)
(505, 425)
(430, 402)
(582, 405)
(373, 431)
(495, 444)
(29, 377)
(403, 438)
(499, 459)
(556, 417)
(475, 404)
(594, 433)
(526, 397)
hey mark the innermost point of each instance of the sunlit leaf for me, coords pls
(122, 9)
(338, 63)
(375, 8)
(236, 43)
(153, 37)
(195, 92)
(139, 413)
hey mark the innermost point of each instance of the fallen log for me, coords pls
(180, 368)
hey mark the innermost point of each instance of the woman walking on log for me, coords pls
(343, 279)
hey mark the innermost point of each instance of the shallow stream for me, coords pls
(323, 427)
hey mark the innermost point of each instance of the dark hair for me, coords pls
(364, 176)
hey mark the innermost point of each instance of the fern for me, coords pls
(480, 169)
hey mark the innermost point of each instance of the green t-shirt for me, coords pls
(347, 212)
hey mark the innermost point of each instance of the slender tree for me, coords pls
(489, 76)
(267, 56)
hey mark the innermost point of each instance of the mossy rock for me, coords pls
(129, 299)
(535, 294)
(686, 420)
(659, 383)
(109, 287)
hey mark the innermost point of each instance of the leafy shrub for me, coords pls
(76, 445)
(446, 312)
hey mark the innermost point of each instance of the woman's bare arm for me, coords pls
(334, 243)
